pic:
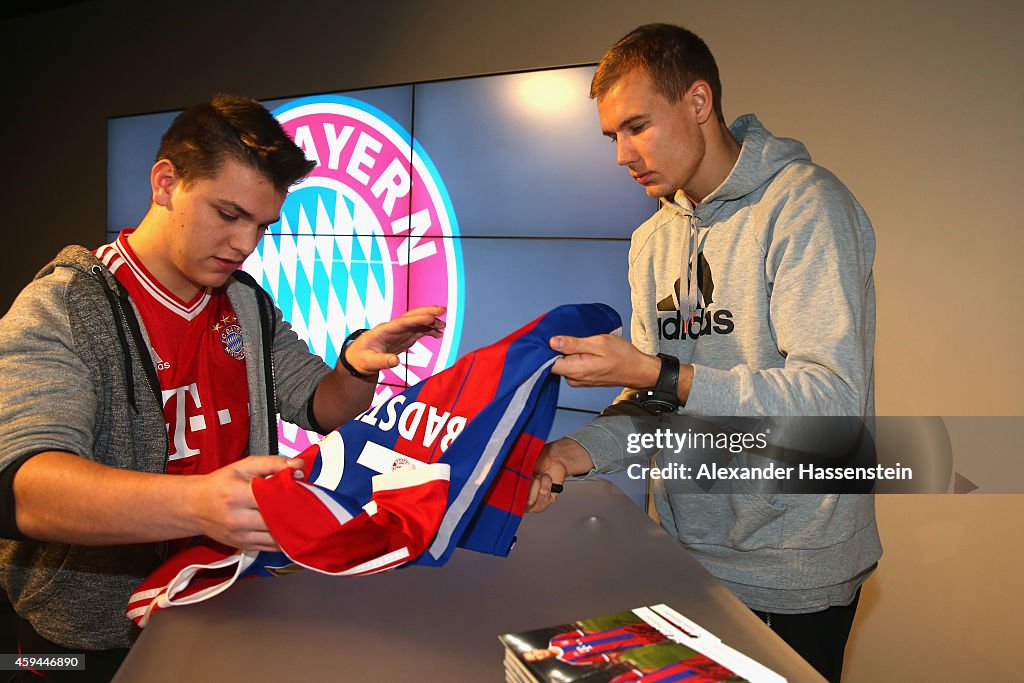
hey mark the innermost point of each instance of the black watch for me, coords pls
(663, 398)
(344, 361)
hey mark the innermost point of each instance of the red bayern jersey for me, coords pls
(199, 355)
(579, 647)
(696, 669)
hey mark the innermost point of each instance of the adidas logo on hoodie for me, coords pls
(701, 321)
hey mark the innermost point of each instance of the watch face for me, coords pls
(657, 405)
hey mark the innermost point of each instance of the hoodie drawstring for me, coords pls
(688, 306)
(686, 295)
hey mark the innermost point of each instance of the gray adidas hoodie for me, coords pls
(776, 262)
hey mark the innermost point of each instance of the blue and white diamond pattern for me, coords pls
(327, 265)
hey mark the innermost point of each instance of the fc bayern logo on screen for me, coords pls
(364, 238)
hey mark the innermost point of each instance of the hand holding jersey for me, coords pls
(608, 360)
(223, 502)
(604, 360)
(224, 505)
(557, 460)
(599, 361)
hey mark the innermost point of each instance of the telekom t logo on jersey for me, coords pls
(187, 404)
(364, 238)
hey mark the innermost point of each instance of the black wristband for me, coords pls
(344, 361)
(664, 397)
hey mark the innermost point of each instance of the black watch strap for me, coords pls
(344, 361)
(663, 398)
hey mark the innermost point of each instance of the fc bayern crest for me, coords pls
(364, 238)
(401, 463)
(231, 338)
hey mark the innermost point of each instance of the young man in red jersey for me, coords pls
(155, 356)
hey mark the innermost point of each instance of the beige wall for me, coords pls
(916, 105)
(946, 600)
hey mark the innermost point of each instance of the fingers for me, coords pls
(573, 365)
(239, 524)
(531, 497)
(265, 547)
(431, 310)
(599, 345)
(250, 539)
(427, 317)
(227, 510)
(427, 314)
(537, 500)
(264, 465)
(377, 349)
(581, 370)
(568, 367)
(548, 488)
(259, 540)
(566, 345)
(375, 361)
(543, 492)
(603, 360)
(548, 476)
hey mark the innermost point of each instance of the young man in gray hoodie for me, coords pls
(93, 354)
(752, 296)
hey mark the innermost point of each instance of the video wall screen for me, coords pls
(496, 196)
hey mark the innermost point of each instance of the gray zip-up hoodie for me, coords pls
(776, 265)
(76, 377)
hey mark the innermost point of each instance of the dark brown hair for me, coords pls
(203, 136)
(671, 56)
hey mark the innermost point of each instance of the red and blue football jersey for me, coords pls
(697, 669)
(446, 463)
(578, 647)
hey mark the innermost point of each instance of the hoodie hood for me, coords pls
(72, 256)
(762, 156)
